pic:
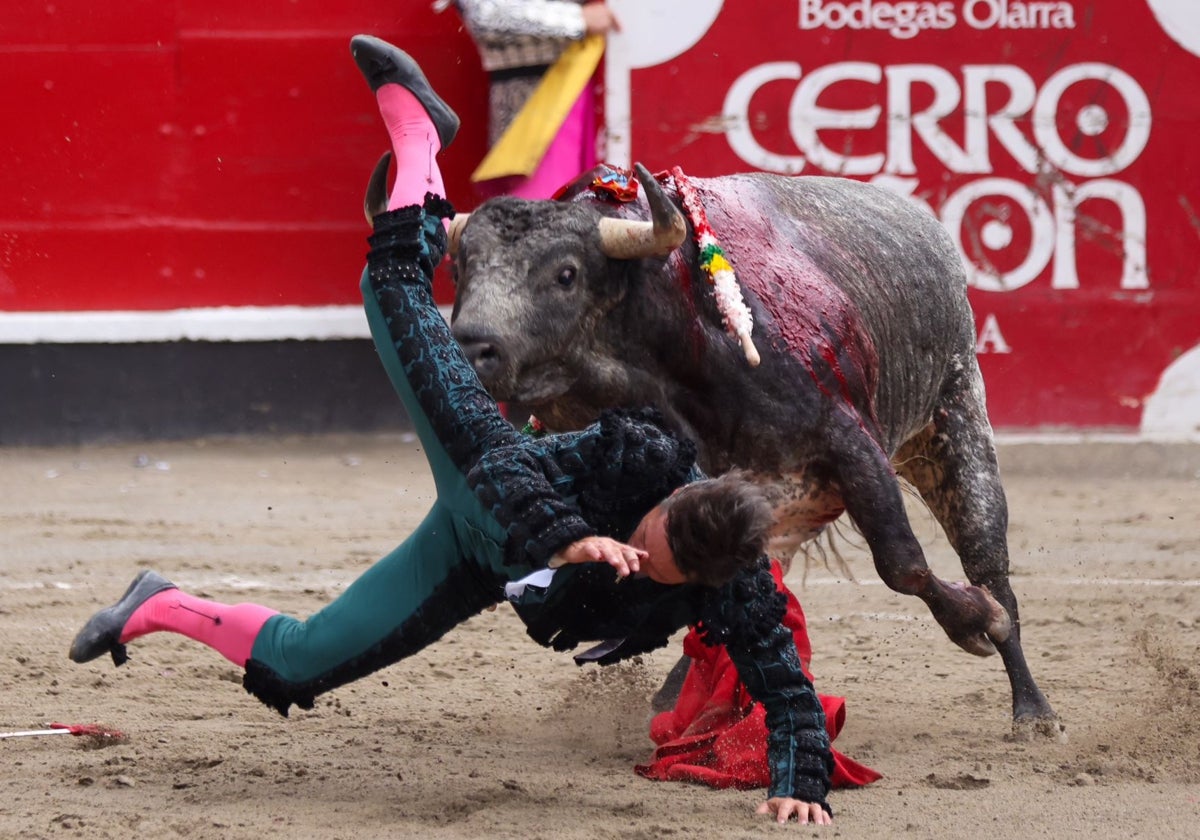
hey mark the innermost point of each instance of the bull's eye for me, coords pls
(566, 276)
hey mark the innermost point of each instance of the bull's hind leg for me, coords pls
(952, 463)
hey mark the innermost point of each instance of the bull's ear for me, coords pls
(626, 239)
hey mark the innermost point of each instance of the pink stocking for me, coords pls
(229, 630)
(415, 143)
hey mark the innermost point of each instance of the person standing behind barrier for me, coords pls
(540, 56)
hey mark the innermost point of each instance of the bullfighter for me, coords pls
(610, 535)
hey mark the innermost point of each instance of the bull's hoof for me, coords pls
(977, 644)
(999, 621)
(971, 617)
(1030, 728)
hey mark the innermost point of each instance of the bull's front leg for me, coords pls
(971, 617)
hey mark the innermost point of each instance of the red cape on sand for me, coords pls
(717, 734)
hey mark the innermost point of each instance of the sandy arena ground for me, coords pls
(489, 736)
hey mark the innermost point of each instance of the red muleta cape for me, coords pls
(717, 735)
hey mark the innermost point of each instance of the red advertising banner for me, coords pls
(1054, 140)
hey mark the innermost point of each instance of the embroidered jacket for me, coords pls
(550, 491)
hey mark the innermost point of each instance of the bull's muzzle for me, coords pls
(484, 352)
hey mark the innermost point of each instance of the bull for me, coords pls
(859, 366)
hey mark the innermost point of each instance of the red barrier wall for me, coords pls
(180, 155)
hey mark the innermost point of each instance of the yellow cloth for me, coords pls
(523, 144)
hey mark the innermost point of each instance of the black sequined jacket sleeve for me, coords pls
(746, 616)
(526, 488)
(549, 492)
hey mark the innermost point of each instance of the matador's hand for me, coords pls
(624, 558)
(598, 19)
(784, 808)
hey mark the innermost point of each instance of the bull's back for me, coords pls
(893, 263)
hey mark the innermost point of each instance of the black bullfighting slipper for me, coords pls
(382, 64)
(102, 633)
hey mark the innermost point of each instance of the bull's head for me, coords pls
(535, 279)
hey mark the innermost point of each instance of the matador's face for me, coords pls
(651, 537)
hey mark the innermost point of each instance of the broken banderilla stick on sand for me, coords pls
(96, 734)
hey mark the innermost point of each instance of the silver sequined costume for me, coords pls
(517, 41)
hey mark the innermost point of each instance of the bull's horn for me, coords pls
(376, 199)
(626, 239)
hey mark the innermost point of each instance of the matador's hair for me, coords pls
(717, 527)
